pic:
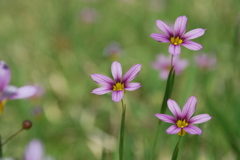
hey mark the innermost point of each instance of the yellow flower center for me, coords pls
(118, 86)
(176, 40)
(182, 124)
(2, 104)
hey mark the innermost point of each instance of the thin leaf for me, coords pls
(176, 149)
(168, 90)
(121, 143)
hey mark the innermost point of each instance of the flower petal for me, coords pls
(174, 49)
(164, 27)
(160, 37)
(132, 86)
(101, 90)
(25, 92)
(131, 73)
(200, 119)
(8, 91)
(116, 71)
(180, 26)
(189, 108)
(174, 108)
(192, 45)
(5, 75)
(173, 129)
(195, 33)
(102, 80)
(166, 118)
(117, 96)
(192, 129)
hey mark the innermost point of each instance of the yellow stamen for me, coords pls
(118, 86)
(176, 40)
(2, 104)
(182, 124)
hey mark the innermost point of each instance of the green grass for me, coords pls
(47, 43)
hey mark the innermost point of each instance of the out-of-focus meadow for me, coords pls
(57, 44)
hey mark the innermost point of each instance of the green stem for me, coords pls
(176, 149)
(121, 143)
(1, 148)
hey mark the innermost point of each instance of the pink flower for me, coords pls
(177, 36)
(182, 120)
(34, 151)
(119, 84)
(163, 64)
(89, 15)
(9, 92)
(205, 61)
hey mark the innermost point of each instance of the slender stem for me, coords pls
(175, 152)
(171, 60)
(12, 136)
(121, 143)
(1, 148)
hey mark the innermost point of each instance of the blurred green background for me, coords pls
(57, 44)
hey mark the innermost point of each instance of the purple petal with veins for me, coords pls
(116, 71)
(131, 73)
(117, 96)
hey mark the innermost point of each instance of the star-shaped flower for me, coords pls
(119, 84)
(177, 36)
(182, 120)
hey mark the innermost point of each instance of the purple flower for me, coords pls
(205, 61)
(34, 151)
(177, 36)
(119, 84)
(9, 92)
(113, 50)
(182, 120)
(163, 64)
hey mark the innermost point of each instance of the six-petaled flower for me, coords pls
(177, 36)
(163, 64)
(119, 84)
(182, 120)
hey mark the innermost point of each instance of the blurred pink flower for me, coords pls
(89, 15)
(34, 150)
(9, 92)
(113, 50)
(163, 64)
(119, 84)
(177, 35)
(182, 119)
(205, 62)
